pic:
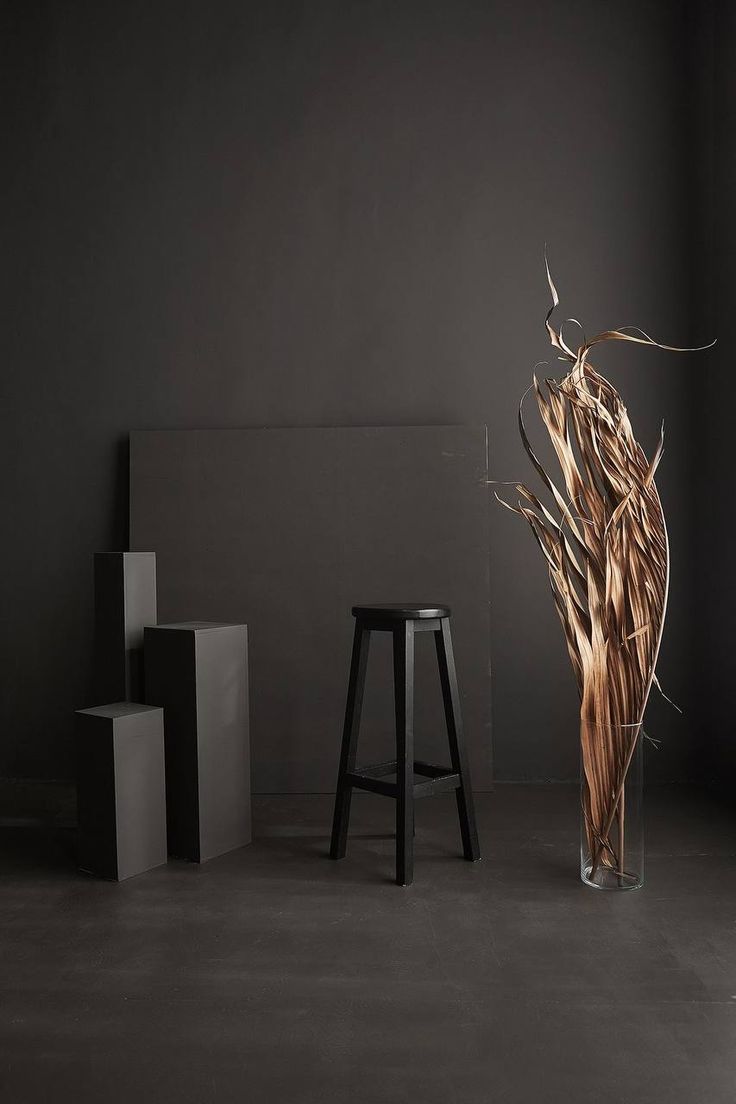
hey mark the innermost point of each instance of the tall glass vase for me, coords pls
(611, 820)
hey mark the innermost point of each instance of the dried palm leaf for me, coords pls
(607, 554)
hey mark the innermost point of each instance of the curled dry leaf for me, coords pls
(608, 560)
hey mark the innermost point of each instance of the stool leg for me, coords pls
(353, 707)
(404, 707)
(458, 754)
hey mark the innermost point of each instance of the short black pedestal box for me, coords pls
(198, 671)
(125, 601)
(121, 790)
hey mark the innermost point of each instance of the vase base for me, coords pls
(605, 878)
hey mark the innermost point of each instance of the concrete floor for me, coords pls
(275, 975)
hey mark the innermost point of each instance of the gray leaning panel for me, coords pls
(286, 530)
(125, 601)
(198, 672)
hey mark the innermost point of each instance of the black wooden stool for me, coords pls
(404, 622)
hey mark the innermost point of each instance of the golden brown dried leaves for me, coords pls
(605, 543)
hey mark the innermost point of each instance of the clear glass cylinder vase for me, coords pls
(611, 807)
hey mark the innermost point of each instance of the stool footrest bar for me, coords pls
(368, 782)
(441, 784)
(430, 770)
(377, 770)
(438, 779)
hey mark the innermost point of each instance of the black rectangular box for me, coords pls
(198, 671)
(125, 601)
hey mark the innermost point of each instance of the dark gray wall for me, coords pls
(716, 533)
(328, 213)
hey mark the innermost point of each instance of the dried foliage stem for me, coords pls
(607, 552)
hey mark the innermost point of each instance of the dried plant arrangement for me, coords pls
(605, 543)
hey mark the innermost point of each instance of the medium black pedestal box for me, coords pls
(198, 671)
(125, 601)
(121, 790)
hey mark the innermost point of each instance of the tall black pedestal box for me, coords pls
(198, 671)
(125, 601)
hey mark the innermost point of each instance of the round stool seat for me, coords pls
(402, 612)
